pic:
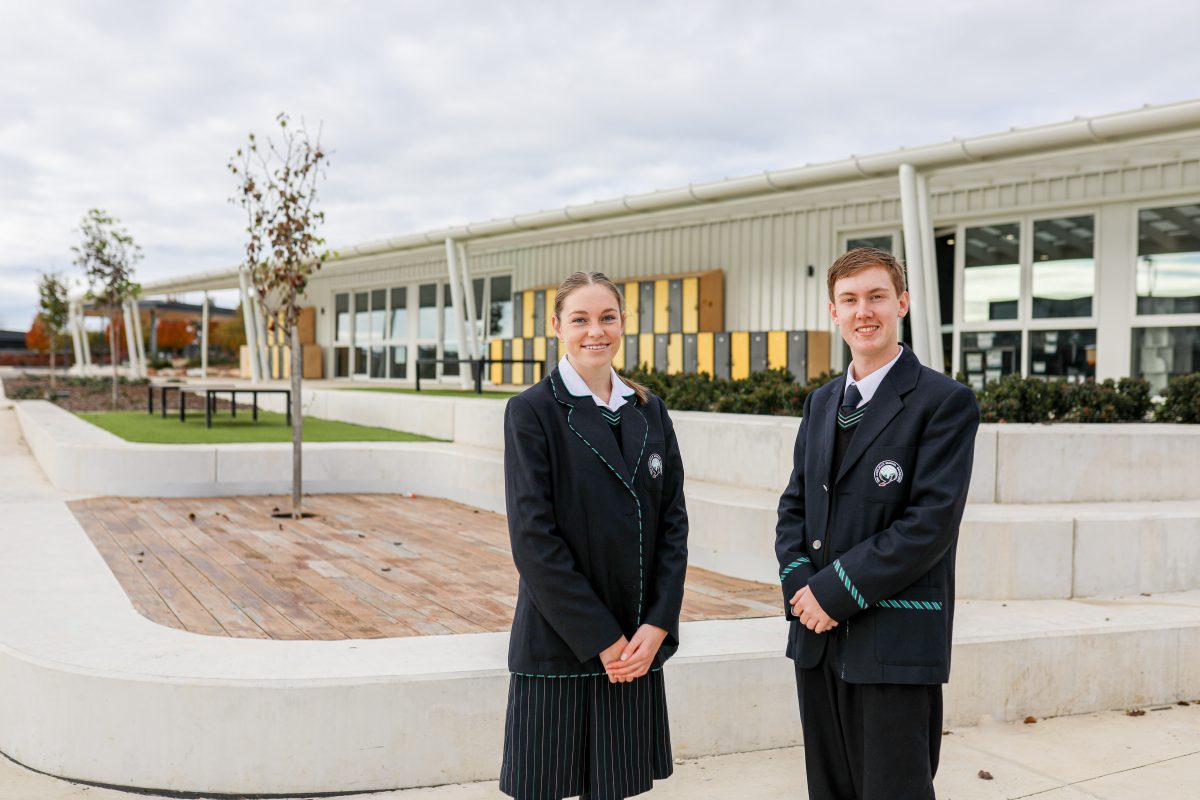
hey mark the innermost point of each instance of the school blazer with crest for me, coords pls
(599, 538)
(876, 542)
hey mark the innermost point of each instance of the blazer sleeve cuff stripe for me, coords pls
(849, 584)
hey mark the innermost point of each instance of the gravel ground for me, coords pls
(93, 394)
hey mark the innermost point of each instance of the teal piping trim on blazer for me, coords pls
(850, 587)
(912, 605)
(793, 565)
(636, 464)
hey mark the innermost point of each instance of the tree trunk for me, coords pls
(297, 422)
(112, 355)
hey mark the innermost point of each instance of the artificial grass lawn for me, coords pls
(431, 392)
(138, 426)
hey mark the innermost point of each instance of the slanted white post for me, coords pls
(204, 337)
(143, 367)
(456, 300)
(933, 306)
(129, 343)
(914, 262)
(248, 322)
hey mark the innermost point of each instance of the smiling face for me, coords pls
(590, 327)
(867, 311)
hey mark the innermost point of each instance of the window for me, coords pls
(362, 333)
(1168, 265)
(378, 314)
(988, 356)
(399, 326)
(500, 316)
(399, 362)
(341, 324)
(449, 333)
(427, 317)
(1064, 269)
(427, 371)
(992, 274)
(878, 242)
(1160, 354)
(477, 287)
(1069, 354)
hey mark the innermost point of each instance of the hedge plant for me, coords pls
(1181, 403)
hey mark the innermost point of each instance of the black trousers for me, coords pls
(868, 741)
(585, 737)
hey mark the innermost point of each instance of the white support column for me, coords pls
(129, 343)
(87, 343)
(248, 322)
(143, 370)
(204, 337)
(76, 344)
(456, 300)
(472, 312)
(914, 261)
(933, 308)
(260, 336)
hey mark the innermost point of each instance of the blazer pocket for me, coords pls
(887, 474)
(911, 628)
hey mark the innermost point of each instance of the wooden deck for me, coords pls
(367, 566)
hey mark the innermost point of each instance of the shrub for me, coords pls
(1181, 403)
(773, 391)
(1017, 399)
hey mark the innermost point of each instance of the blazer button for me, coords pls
(816, 544)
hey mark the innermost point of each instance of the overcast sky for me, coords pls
(441, 113)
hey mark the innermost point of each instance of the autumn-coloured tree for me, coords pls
(277, 188)
(53, 311)
(229, 334)
(107, 254)
(36, 338)
(175, 334)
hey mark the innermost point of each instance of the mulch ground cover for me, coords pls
(95, 394)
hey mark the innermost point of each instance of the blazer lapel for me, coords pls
(583, 418)
(827, 419)
(634, 428)
(886, 404)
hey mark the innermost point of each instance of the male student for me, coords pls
(866, 538)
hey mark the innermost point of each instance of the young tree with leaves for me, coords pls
(53, 312)
(277, 188)
(107, 254)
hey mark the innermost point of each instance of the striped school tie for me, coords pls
(849, 414)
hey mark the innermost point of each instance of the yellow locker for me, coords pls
(662, 297)
(704, 353)
(518, 370)
(739, 354)
(646, 349)
(551, 295)
(539, 352)
(691, 305)
(497, 370)
(777, 350)
(631, 309)
(527, 313)
(674, 353)
(618, 361)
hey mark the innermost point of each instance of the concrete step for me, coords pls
(1010, 551)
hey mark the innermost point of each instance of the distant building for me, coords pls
(1068, 250)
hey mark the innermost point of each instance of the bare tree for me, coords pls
(107, 254)
(53, 311)
(277, 188)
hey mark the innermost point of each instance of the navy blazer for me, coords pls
(875, 543)
(599, 537)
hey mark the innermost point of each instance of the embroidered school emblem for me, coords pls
(888, 472)
(655, 464)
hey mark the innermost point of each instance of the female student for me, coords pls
(594, 490)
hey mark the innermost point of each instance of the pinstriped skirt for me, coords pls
(585, 737)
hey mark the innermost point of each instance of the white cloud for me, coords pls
(442, 113)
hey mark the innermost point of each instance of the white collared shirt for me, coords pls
(869, 384)
(578, 387)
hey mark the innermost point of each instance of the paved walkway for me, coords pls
(1108, 756)
(366, 566)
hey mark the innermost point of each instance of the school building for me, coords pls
(1067, 250)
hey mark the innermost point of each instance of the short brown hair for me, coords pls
(855, 261)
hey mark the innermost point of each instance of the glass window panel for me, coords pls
(378, 362)
(450, 368)
(341, 323)
(477, 288)
(1069, 354)
(399, 329)
(992, 278)
(1168, 267)
(341, 362)
(378, 314)
(362, 318)
(878, 242)
(500, 321)
(449, 319)
(427, 351)
(1064, 270)
(399, 362)
(427, 312)
(988, 356)
(362, 361)
(1160, 354)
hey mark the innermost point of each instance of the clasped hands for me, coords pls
(811, 615)
(627, 659)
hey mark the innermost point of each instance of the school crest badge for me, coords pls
(655, 465)
(887, 472)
